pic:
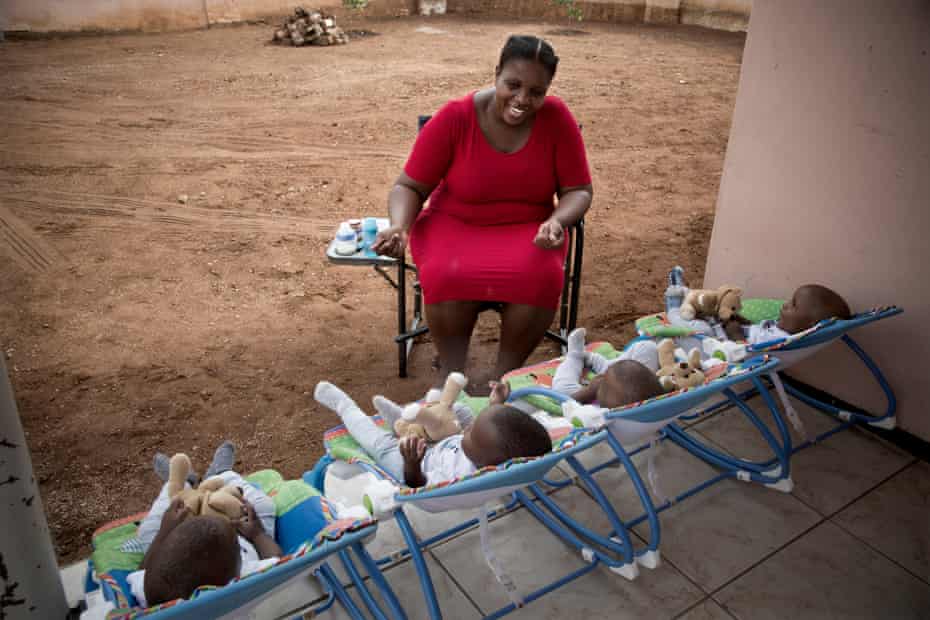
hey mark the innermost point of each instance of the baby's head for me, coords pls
(502, 433)
(809, 305)
(199, 551)
(627, 382)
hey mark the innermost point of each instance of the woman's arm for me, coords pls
(574, 202)
(405, 200)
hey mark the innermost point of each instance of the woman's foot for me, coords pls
(223, 459)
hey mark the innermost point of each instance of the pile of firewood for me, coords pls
(310, 28)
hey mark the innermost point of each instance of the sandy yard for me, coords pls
(133, 323)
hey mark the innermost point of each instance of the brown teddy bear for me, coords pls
(212, 497)
(674, 375)
(433, 421)
(722, 304)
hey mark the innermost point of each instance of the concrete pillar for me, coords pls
(30, 585)
(827, 179)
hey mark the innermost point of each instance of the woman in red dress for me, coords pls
(490, 165)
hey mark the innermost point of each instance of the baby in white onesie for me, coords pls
(499, 433)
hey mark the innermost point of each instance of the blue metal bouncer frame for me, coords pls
(615, 549)
(776, 472)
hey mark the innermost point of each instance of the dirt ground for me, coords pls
(133, 323)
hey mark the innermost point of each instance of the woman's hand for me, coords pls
(550, 234)
(391, 242)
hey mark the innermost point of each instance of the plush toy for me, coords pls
(722, 304)
(211, 497)
(433, 421)
(675, 375)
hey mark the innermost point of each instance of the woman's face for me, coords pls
(520, 90)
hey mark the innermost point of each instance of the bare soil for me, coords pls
(133, 323)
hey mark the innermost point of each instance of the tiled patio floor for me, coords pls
(852, 540)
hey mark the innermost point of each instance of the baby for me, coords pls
(809, 305)
(499, 433)
(629, 378)
(184, 552)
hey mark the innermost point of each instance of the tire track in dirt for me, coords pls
(58, 132)
(122, 213)
(20, 243)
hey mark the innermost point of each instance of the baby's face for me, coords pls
(794, 317)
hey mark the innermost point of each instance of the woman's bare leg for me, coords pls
(451, 324)
(522, 329)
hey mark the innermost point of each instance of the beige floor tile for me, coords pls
(827, 475)
(723, 530)
(735, 432)
(895, 519)
(601, 595)
(406, 585)
(292, 596)
(708, 610)
(534, 557)
(676, 471)
(826, 574)
(830, 474)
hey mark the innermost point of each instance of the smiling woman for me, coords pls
(490, 164)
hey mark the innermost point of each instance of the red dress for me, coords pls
(474, 241)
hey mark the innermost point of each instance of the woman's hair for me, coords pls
(528, 47)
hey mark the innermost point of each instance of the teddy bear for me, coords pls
(433, 421)
(674, 375)
(211, 497)
(723, 303)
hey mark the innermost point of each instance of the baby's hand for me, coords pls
(412, 449)
(176, 513)
(249, 525)
(500, 392)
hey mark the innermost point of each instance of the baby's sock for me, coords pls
(576, 342)
(389, 410)
(463, 414)
(161, 464)
(333, 398)
(223, 459)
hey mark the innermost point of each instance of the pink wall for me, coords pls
(827, 179)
